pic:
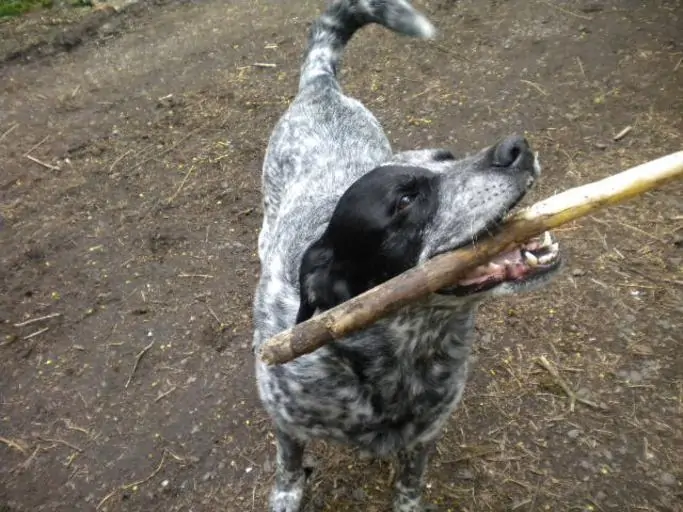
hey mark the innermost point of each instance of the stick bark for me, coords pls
(447, 269)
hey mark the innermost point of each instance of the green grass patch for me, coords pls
(15, 7)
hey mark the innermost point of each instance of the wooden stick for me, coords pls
(447, 269)
(38, 319)
(38, 332)
(14, 126)
(137, 362)
(13, 444)
(40, 162)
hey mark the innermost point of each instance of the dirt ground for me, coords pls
(130, 149)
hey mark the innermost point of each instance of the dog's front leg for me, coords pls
(408, 486)
(290, 477)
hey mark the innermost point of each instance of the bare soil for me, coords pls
(130, 149)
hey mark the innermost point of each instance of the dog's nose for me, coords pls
(510, 151)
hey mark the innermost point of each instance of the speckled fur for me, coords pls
(415, 362)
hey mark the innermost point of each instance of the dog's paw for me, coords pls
(288, 492)
(415, 507)
(286, 501)
(410, 502)
(405, 504)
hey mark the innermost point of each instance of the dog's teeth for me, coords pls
(547, 239)
(546, 258)
(531, 259)
(555, 248)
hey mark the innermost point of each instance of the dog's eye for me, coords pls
(405, 201)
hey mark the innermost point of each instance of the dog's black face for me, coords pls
(398, 216)
(375, 233)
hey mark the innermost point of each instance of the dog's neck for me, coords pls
(438, 327)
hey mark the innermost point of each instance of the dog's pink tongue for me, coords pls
(508, 265)
(515, 270)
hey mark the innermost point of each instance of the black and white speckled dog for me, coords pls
(342, 213)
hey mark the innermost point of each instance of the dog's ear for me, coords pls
(323, 283)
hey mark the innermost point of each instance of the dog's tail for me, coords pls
(331, 31)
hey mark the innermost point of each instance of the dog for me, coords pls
(343, 213)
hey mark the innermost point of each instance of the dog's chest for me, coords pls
(393, 386)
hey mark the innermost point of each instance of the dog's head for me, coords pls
(400, 215)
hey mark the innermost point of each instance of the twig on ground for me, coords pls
(28, 461)
(35, 146)
(566, 11)
(475, 452)
(203, 276)
(545, 364)
(253, 495)
(118, 159)
(176, 457)
(133, 484)
(423, 92)
(167, 150)
(144, 150)
(523, 485)
(165, 393)
(182, 184)
(61, 441)
(40, 162)
(71, 426)
(651, 277)
(642, 232)
(521, 504)
(678, 65)
(535, 86)
(9, 340)
(245, 212)
(71, 459)
(15, 125)
(12, 444)
(583, 72)
(596, 504)
(213, 314)
(600, 283)
(137, 362)
(631, 285)
(623, 133)
(38, 319)
(264, 65)
(33, 334)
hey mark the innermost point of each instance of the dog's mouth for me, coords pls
(534, 259)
